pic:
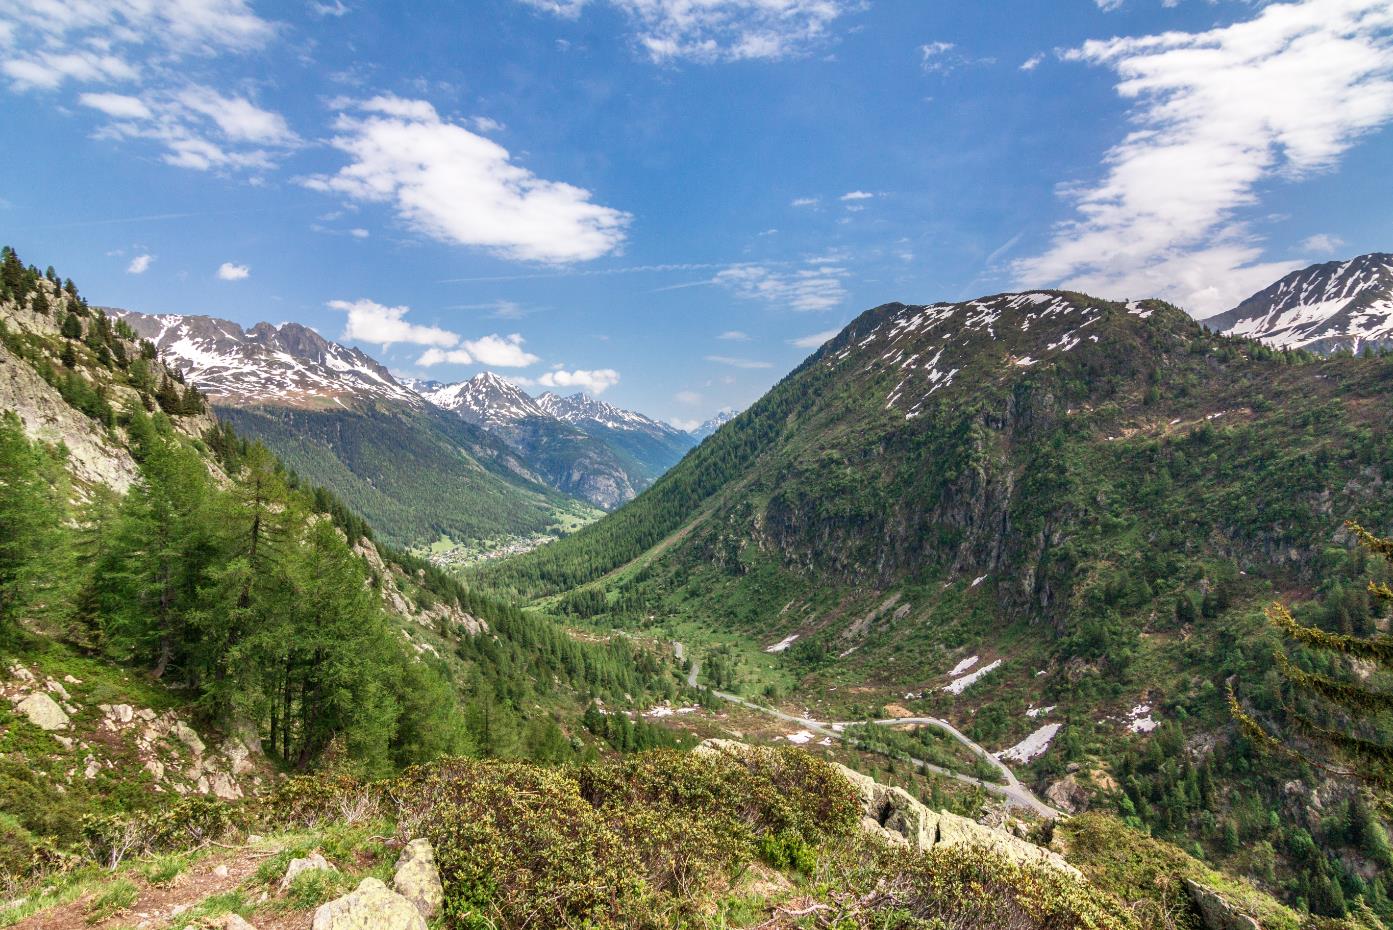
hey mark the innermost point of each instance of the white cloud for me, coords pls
(228, 271)
(804, 202)
(815, 340)
(371, 322)
(817, 288)
(51, 43)
(500, 351)
(595, 381)
(690, 398)
(1217, 115)
(359, 233)
(432, 357)
(140, 264)
(459, 187)
(734, 335)
(720, 30)
(1033, 62)
(738, 362)
(120, 106)
(1322, 244)
(933, 56)
(850, 196)
(237, 118)
(685, 426)
(335, 9)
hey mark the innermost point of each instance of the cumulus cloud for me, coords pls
(494, 351)
(459, 187)
(1322, 244)
(228, 271)
(814, 340)
(1033, 62)
(738, 362)
(371, 322)
(1217, 115)
(851, 196)
(720, 30)
(595, 381)
(140, 264)
(816, 288)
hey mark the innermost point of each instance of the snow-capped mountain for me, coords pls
(713, 424)
(1324, 308)
(485, 399)
(288, 365)
(581, 409)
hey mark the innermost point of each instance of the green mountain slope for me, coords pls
(1053, 504)
(414, 474)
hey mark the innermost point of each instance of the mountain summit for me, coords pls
(289, 365)
(1323, 308)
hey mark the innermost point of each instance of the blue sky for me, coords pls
(672, 201)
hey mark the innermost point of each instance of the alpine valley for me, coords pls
(958, 625)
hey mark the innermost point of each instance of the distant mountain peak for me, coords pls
(1325, 307)
(287, 365)
(486, 399)
(580, 408)
(722, 417)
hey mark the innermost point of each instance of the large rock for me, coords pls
(418, 880)
(43, 712)
(373, 906)
(231, 922)
(1215, 912)
(300, 866)
(899, 817)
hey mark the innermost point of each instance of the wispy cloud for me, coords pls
(816, 288)
(738, 362)
(804, 202)
(734, 335)
(1322, 244)
(1217, 115)
(719, 30)
(814, 340)
(459, 187)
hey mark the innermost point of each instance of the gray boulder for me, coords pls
(43, 712)
(298, 867)
(1216, 913)
(418, 880)
(373, 906)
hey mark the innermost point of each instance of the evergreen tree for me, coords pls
(1339, 715)
(72, 326)
(33, 507)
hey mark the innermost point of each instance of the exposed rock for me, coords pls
(373, 906)
(43, 712)
(1068, 795)
(185, 734)
(230, 922)
(223, 785)
(221, 871)
(308, 864)
(896, 816)
(1215, 912)
(418, 880)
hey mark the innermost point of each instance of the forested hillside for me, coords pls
(189, 569)
(1083, 506)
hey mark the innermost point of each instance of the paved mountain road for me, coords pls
(1016, 794)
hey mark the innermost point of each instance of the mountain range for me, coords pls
(490, 460)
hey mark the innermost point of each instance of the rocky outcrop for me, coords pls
(93, 456)
(298, 867)
(1216, 913)
(373, 906)
(418, 880)
(898, 817)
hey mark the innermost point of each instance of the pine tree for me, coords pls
(68, 356)
(33, 508)
(1340, 717)
(72, 327)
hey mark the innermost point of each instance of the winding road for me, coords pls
(1016, 794)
